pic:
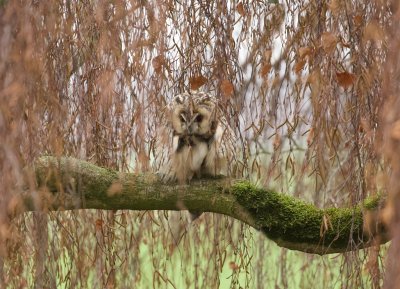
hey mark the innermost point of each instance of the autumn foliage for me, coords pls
(309, 87)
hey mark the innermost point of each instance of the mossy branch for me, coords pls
(294, 224)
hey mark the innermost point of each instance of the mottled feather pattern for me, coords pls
(201, 142)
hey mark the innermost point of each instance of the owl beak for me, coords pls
(190, 129)
(190, 124)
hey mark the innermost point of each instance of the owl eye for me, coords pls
(199, 118)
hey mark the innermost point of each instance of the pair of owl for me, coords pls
(201, 139)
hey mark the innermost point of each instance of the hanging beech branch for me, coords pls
(68, 183)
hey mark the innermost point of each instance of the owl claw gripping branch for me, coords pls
(197, 132)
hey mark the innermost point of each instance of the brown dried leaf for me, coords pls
(345, 44)
(277, 141)
(99, 224)
(267, 55)
(373, 32)
(240, 9)
(233, 265)
(171, 248)
(310, 137)
(158, 63)
(328, 42)
(265, 69)
(314, 79)
(335, 7)
(304, 52)
(266, 63)
(227, 88)
(276, 82)
(197, 81)
(299, 66)
(345, 79)
(358, 20)
(364, 125)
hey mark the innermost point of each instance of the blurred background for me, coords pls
(309, 89)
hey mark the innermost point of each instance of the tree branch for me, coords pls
(69, 183)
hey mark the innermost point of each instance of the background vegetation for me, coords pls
(308, 87)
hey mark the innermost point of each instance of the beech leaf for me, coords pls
(227, 88)
(345, 79)
(328, 42)
(197, 81)
(240, 9)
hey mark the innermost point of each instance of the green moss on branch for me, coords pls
(295, 224)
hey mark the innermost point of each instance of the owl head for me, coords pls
(194, 113)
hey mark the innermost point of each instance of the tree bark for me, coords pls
(68, 183)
